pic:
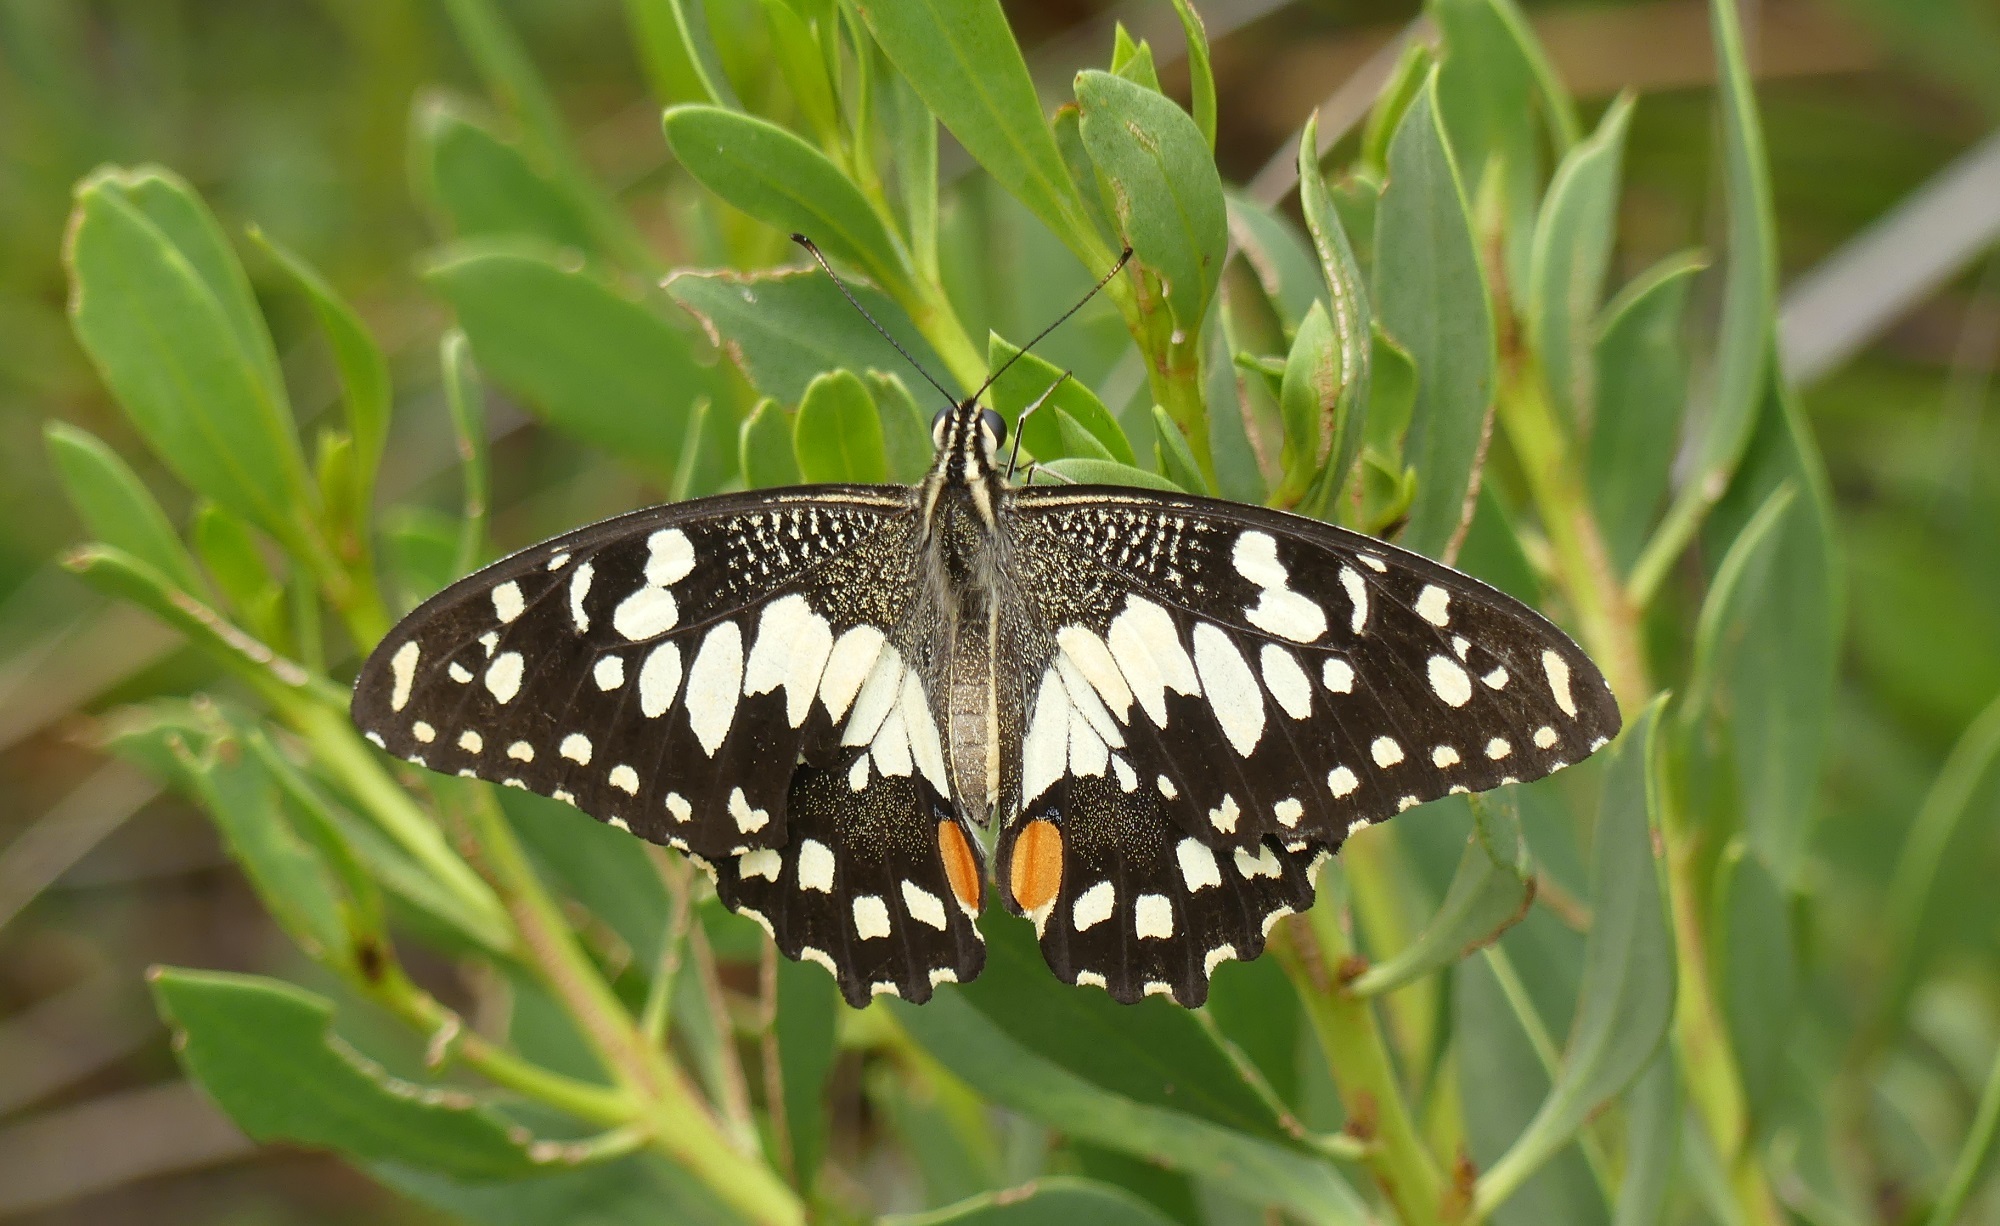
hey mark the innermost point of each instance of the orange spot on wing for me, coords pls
(961, 867)
(1036, 870)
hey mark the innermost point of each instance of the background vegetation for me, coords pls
(360, 295)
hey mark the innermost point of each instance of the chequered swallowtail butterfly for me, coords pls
(1173, 707)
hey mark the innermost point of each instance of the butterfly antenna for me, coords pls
(1021, 422)
(808, 244)
(1060, 320)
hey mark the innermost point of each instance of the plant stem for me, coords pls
(1315, 951)
(682, 1126)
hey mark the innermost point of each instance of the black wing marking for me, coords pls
(1140, 906)
(664, 671)
(1270, 676)
(879, 883)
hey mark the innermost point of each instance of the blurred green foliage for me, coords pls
(1740, 969)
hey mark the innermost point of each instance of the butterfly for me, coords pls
(1167, 710)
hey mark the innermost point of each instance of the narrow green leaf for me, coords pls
(364, 373)
(1743, 355)
(639, 1190)
(1280, 258)
(1176, 458)
(1165, 191)
(1430, 296)
(465, 402)
(1652, 1130)
(115, 505)
(1757, 974)
(1239, 474)
(1627, 999)
(1058, 1201)
(807, 1022)
(1309, 403)
(1026, 380)
(1085, 471)
(973, 1045)
(1489, 891)
(1414, 67)
(1566, 268)
(766, 442)
(797, 55)
(913, 141)
(838, 435)
(230, 554)
(1133, 61)
(782, 329)
(482, 185)
(1201, 75)
(1078, 442)
(1641, 393)
(961, 57)
(265, 1051)
(595, 363)
(1780, 671)
(175, 355)
(1067, 126)
(1353, 320)
(906, 429)
(1973, 1157)
(782, 181)
(1734, 588)
(599, 866)
(663, 34)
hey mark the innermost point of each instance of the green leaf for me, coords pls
(639, 1190)
(782, 181)
(1133, 61)
(913, 141)
(961, 57)
(974, 1046)
(1757, 974)
(1165, 191)
(230, 554)
(1429, 296)
(807, 1026)
(837, 435)
(1279, 257)
(1309, 404)
(1489, 892)
(592, 361)
(1973, 1157)
(801, 62)
(1743, 355)
(1353, 322)
(1414, 65)
(165, 328)
(1641, 392)
(265, 1051)
(465, 403)
(1058, 1201)
(1067, 126)
(1176, 458)
(1627, 1000)
(1201, 76)
(1085, 471)
(482, 185)
(663, 33)
(1572, 250)
(1784, 639)
(906, 432)
(783, 329)
(600, 866)
(115, 505)
(1652, 1128)
(766, 444)
(1026, 379)
(1254, 1006)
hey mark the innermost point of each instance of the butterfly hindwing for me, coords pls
(661, 671)
(879, 882)
(1275, 677)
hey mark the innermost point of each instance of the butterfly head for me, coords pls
(968, 439)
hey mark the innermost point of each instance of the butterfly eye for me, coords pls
(995, 423)
(937, 419)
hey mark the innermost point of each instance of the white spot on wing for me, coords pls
(579, 587)
(1093, 661)
(815, 866)
(424, 733)
(1093, 906)
(1167, 788)
(1216, 957)
(1545, 737)
(923, 906)
(763, 862)
(659, 680)
(1434, 605)
(1288, 812)
(1558, 671)
(847, 666)
(507, 602)
(879, 695)
(1357, 591)
(1286, 681)
(608, 672)
(646, 613)
(1449, 682)
(1278, 610)
(1443, 756)
(1233, 696)
(871, 917)
(791, 650)
(1263, 864)
(1338, 675)
(1147, 647)
(625, 779)
(503, 676)
(669, 557)
(678, 807)
(575, 747)
(1342, 782)
(713, 683)
(1498, 748)
(748, 820)
(402, 672)
(1153, 917)
(459, 672)
(521, 751)
(1385, 751)
(1198, 867)
(1495, 679)
(1045, 748)
(471, 742)
(1223, 816)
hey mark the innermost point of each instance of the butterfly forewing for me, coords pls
(1247, 687)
